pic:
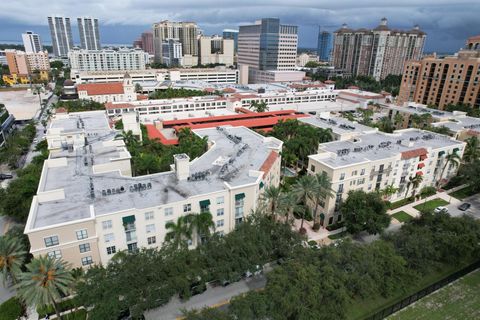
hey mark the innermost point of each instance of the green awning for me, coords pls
(441, 153)
(261, 184)
(456, 150)
(128, 219)
(322, 216)
(204, 203)
(239, 196)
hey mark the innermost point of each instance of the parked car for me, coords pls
(4, 176)
(464, 206)
(441, 209)
(35, 140)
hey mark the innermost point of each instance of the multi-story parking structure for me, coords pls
(88, 206)
(373, 161)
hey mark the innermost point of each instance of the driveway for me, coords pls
(213, 297)
(474, 209)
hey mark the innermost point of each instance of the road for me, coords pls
(213, 297)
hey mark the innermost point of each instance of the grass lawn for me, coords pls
(361, 309)
(400, 203)
(463, 193)
(402, 216)
(338, 235)
(430, 205)
(459, 300)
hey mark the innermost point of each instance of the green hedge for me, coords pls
(63, 306)
(400, 203)
(11, 309)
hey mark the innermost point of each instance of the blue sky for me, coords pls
(447, 23)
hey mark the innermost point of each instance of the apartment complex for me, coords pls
(89, 34)
(441, 81)
(122, 59)
(7, 124)
(210, 75)
(373, 161)
(215, 50)
(268, 48)
(88, 205)
(61, 33)
(324, 45)
(184, 32)
(172, 53)
(145, 42)
(377, 52)
(21, 63)
(32, 42)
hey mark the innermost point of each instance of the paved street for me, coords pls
(213, 297)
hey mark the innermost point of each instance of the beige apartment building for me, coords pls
(441, 81)
(89, 206)
(184, 32)
(373, 161)
(215, 50)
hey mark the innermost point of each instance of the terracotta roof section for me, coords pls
(413, 153)
(155, 134)
(229, 90)
(97, 89)
(267, 165)
(142, 97)
(111, 106)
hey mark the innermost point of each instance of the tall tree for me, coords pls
(414, 182)
(323, 190)
(271, 196)
(450, 159)
(289, 205)
(365, 212)
(12, 257)
(259, 106)
(179, 233)
(472, 150)
(44, 282)
(305, 189)
(202, 224)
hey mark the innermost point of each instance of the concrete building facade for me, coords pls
(231, 34)
(216, 50)
(88, 217)
(108, 92)
(377, 52)
(89, 33)
(324, 45)
(184, 32)
(27, 64)
(172, 53)
(374, 161)
(441, 81)
(145, 42)
(32, 42)
(122, 59)
(61, 34)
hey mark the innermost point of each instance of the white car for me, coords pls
(441, 209)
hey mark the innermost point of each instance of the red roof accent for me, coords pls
(61, 110)
(245, 96)
(244, 110)
(209, 90)
(413, 153)
(96, 89)
(421, 165)
(419, 173)
(111, 106)
(473, 132)
(153, 134)
(142, 97)
(229, 90)
(267, 165)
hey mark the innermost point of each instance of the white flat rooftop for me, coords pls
(338, 125)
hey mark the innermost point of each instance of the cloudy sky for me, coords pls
(448, 23)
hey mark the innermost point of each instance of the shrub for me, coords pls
(316, 226)
(335, 226)
(11, 309)
(427, 192)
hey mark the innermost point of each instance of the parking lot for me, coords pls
(474, 210)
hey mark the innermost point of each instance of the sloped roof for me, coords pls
(97, 89)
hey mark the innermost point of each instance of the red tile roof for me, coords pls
(413, 153)
(153, 134)
(267, 165)
(96, 89)
(229, 90)
(110, 106)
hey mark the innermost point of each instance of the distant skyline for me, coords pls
(447, 23)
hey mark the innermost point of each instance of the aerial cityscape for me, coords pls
(236, 161)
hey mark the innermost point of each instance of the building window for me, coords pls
(205, 205)
(220, 212)
(220, 200)
(51, 241)
(354, 173)
(151, 228)
(87, 261)
(168, 211)
(82, 234)
(132, 247)
(85, 247)
(312, 168)
(187, 207)
(340, 187)
(109, 237)
(220, 223)
(342, 176)
(149, 215)
(111, 250)
(107, 224)
(56, 254)
(152, 240)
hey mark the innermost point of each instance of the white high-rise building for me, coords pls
(172, 53)
(107, 60)
(61, 33)
(89, 34)
(32, 42)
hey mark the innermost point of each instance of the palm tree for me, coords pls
(324, 135)
(147, 163)
(12, 257)
(271, 197)
(258, 106)
(398, 120)
(44, 282)
(288, 205)
(389, 191)
(128, 137)
(202, 223)
(179, 232)
(453, 159)
(472, 150)
(385, 124)
(323, 189)
(415, 182)
(304, 189)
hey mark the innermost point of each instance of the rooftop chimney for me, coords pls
(182, 166)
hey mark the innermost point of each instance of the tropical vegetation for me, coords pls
(171, 93)
(80, 105)
(17, 145)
